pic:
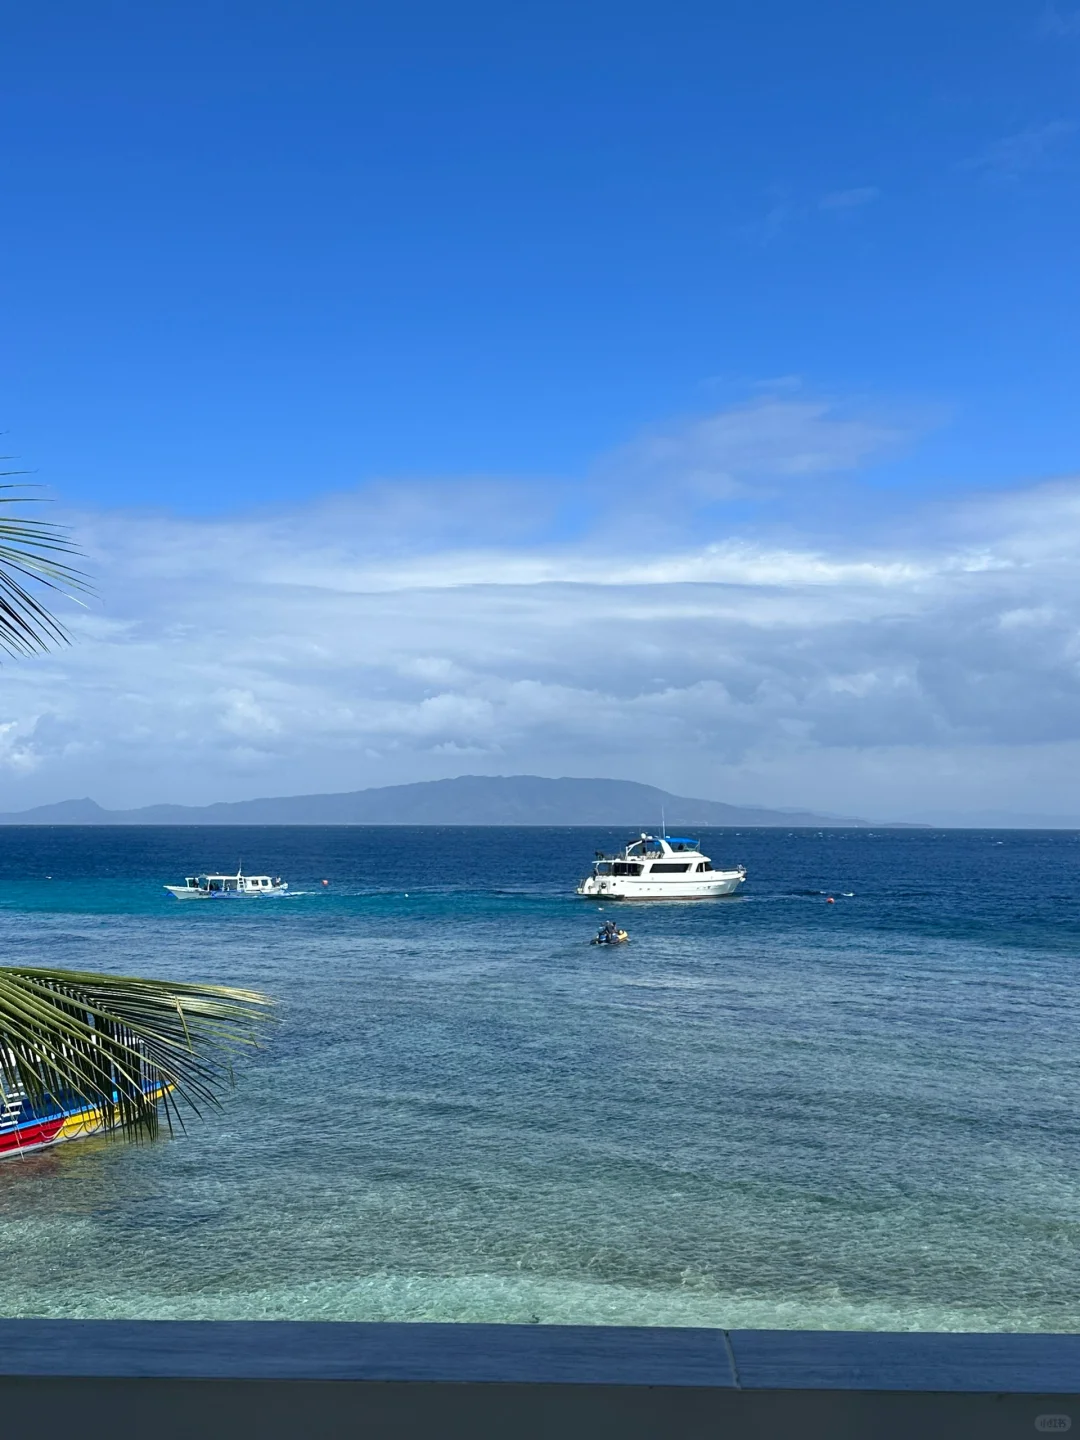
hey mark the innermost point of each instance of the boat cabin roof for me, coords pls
(663, 845)
(205, 879)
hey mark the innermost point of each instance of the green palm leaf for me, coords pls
(32, 553)
(130, 1047)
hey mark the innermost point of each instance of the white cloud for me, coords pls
(1034, 148)
(785, 212)
(1061, 24)
(405, 632)
(745, 450)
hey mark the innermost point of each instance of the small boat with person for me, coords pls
(659, 867)
(215, 887)
(609, 934)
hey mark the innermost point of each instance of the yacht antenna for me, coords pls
(663, 823)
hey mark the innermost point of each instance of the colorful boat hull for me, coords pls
(25, 1128)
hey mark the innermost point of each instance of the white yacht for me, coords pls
(659, 867)
(211, 887)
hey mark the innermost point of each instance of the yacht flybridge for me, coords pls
(659, 867)
(210, 887)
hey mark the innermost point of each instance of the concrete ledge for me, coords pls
(283, 1379)
(866, 1360)
(302, 1350)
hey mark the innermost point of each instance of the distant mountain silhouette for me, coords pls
(468, 800)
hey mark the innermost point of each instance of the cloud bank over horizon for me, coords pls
(727, 607)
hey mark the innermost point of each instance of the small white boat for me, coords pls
(659, 867)
(212, 887)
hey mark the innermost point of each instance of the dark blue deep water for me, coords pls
(764, 1111)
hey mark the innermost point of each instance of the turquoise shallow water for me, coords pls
(767, 1111)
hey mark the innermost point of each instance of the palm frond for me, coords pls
(32, 553)
(132, 1048)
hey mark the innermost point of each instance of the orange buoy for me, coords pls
(830, 901)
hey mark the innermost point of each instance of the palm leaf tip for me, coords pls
(33, 554)
(133, 1049)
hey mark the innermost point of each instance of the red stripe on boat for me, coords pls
(28, 1137)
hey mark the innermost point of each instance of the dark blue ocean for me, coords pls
(763, 1111)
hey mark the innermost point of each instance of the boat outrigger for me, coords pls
(210, 887)
(659, 867)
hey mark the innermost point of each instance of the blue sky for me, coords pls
(533, 297)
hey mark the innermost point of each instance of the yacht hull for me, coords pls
(620, 887)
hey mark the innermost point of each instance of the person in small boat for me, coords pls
(608, 933)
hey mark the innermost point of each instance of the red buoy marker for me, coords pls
(829, 901)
